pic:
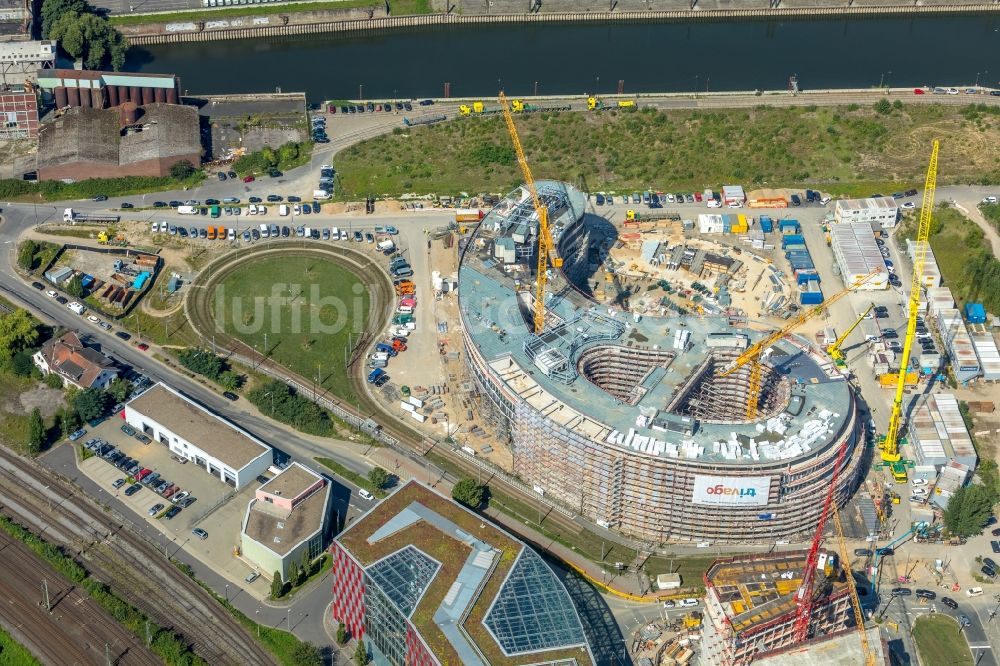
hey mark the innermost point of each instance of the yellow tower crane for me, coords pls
(546, 247)
(834, 349)
(889, 444)
(753, 353)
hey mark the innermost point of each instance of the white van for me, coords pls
(334, 233)
(155, 227)
(264, 232)
(321, 195)
(187, 210)
(379, 356)
(231, 234)
(283, 210)
(974, 592)
(252, 209)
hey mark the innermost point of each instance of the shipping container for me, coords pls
(811, 293)
(766, 224)
(792, 239)
(790, 225)
(975, 313)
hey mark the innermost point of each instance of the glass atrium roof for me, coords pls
(533, 611)
(403, 577)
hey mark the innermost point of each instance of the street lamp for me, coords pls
(258, 624)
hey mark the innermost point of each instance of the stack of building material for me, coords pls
(938, 299)
(938, 433)
(932, 274)
(858, 254)
(710, 224)
(964, 362)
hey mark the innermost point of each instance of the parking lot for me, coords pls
(218, 509)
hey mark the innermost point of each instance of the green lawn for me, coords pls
(939, 641)
(964, 256)
(399, 8)
(13, 653)
(840, 149)
(314, 315)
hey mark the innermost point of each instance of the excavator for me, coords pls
(834, 349)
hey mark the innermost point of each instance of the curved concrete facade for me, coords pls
(626, 461)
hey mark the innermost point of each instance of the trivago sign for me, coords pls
(731, 490)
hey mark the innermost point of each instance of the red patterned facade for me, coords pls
(348, 592)
(417, 653)
(19, 112)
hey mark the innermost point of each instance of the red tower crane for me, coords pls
(804, 597)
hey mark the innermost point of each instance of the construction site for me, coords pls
(662, 426)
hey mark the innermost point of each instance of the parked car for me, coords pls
(132, 490)
(171, 512)
(364, 494)
(200, 533)
(901, 592)
(949, 602)
(155, 509)
(251, 577)
(118, 484)
(926, 594)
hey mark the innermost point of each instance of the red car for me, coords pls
(143, 473)
(697, 197)
(142, 346)
(918, 91)
(249, 179)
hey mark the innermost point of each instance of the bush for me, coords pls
(469, 493)
(287, 156)
(202, 361)
(182, 170)
(883, 106)
(281, 402)
(22, 365)
(91, 403)
(378, 477)
(52, 380)
(56, 190)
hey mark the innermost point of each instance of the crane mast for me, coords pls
(545, 244)
(890, 443)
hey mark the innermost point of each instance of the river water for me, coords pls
(576, 57)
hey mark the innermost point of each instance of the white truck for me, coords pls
(283, 210)
(69, 215)
(76, 307)
(386, 246)
(187, 210)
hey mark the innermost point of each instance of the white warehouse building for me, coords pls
(882, 210)
(188, 429)
(857, 255)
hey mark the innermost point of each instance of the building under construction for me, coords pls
(750, 604)
(626, 419)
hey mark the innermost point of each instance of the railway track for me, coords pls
(77, 631)
(114, 550)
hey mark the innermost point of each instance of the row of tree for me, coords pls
(213, 366)
(280, 401)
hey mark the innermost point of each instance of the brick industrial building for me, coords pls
(101, 90)
(111, 143)
(19, 112)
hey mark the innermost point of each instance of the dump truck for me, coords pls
(889, 379)
(594, 104)
(69, 215)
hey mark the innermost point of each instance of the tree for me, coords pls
(36, 432)
(277, 585)
(52, 380)
(53, 9)
(341, 634)
(26, 254)
(75, 286)
(22, 365)
(378, 477)
(66, 421)
(306, 566)
(230, 380)
(288, 153)
(883, 106)
(91, 403)
(293, 574)
(202, 361)
(17, 331)
(468, 492)
(968, 510)
(181, 170)
(91, 38)
(361, 654)
(306, 654)
(119, 389)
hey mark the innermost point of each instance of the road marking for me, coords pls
(981, 647)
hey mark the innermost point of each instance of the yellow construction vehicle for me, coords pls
(546, 246)
(594, 104)
(890, 379)
(834, 349)
(465, 109)
(889, 443)
(692, 620)
(516, 105)
(477, 107)
(626, 104)
(752, 354)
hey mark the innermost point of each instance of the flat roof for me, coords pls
(280, 530)
(210, 432)
(475, 589)
(491, 304)
(291, 481)
(757, 589)
(841, 649)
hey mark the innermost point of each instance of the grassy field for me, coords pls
(399, 8)
(847, 150)
(13, 653)
(13, 424)
(316, 311)
(939, 641)
(963, 255)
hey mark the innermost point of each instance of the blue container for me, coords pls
(811, 294)
(789, 225)
(792, 239)
(806, 276)
(766, 224)
(975, 313)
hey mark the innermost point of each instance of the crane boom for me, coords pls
(859, 617)
(834, 349)
(890, 444)
(545, 244)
